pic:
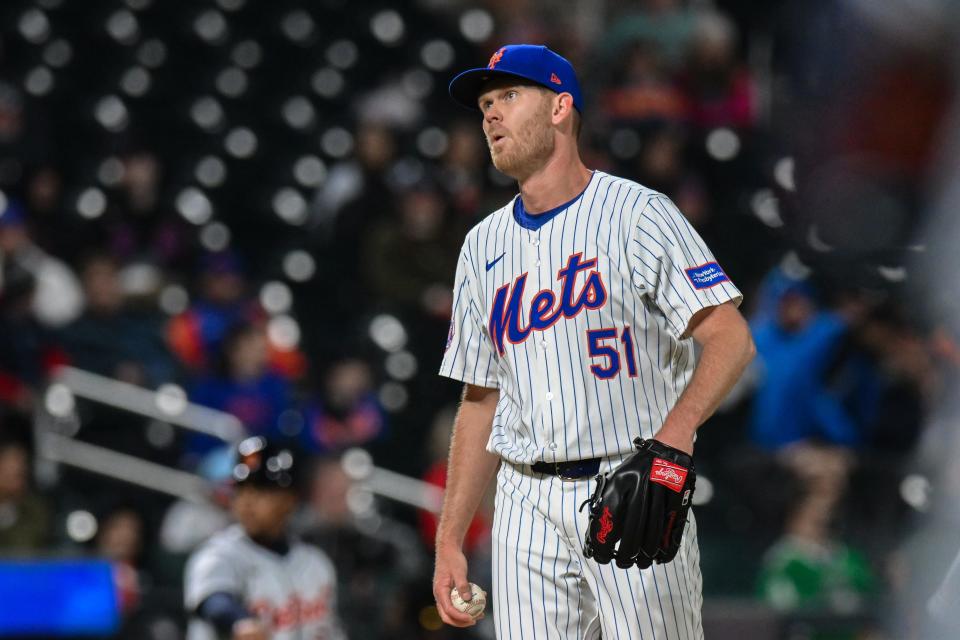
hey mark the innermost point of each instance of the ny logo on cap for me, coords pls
(495, 58)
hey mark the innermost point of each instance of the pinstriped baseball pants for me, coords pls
(544, 588)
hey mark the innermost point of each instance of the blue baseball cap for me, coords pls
(531, 62)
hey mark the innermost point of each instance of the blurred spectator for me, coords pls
(59, 231)
(243, 385)
(888, 376)
(141, 182)
(478, 533)
(28, 351)
(409, 259)
(111, 339)
(141, 226)
(120, 540)
(52, 228)
(355, 196)
(361, 182)
(44, 192)
(11, 135)
(666, 24)
(809, 568)
(196, 335)
(718, 88)
(380, 564)
(641, 92)
(462, 169)
(58, 298)
(349, 413)
(661, 166)
(795, 348)
(23, 139)
(530, 20)
(187, 524)
(24, 516)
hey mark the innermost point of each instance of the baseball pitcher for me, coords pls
(576, 309)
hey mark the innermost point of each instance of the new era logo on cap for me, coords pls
(535, 63)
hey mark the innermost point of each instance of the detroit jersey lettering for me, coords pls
(577, 316)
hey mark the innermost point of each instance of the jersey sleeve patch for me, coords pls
(706, 275)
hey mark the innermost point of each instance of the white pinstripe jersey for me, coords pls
(576, 316)
(294, 595)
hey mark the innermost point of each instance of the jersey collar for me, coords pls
(533, 221)
(280, 546)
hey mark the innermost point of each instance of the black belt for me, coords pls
(570, 470)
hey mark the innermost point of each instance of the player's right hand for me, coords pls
(451, 571)
(249, 629)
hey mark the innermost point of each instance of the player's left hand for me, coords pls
(638, 510)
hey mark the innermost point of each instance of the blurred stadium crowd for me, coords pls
(261, 204)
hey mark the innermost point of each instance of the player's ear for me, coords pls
(563, 108)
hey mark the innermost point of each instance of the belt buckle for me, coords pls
(562, 476)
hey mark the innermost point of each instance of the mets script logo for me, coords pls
(667, 474)
(507, 319)
(606, 525)
(495, 58)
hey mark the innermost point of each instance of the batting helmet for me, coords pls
(261, 463)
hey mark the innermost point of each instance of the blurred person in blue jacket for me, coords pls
(244, 385)
(348, 414)
(196, 335)
(223, 301)
(796, 346)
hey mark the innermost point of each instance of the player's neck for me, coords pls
(278, 544)
(559, 180)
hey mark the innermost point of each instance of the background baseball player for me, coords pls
(251, 581)
(576, 309)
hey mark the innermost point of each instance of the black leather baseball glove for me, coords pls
(642, 505)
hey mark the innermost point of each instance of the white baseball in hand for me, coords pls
(475, 606)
